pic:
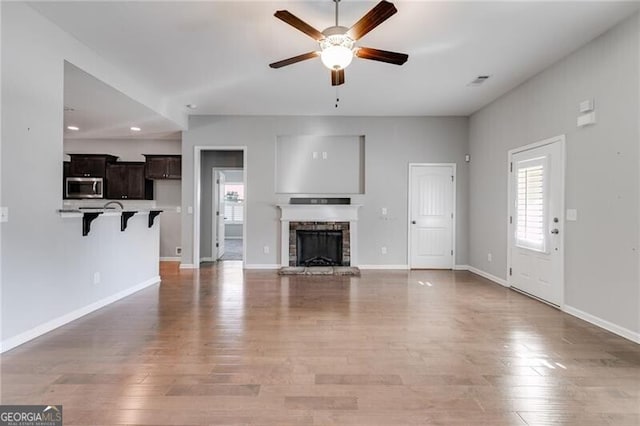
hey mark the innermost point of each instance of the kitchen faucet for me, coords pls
(113, 202)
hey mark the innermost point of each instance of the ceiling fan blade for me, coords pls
(294, 60)
(376, 16)
(294, 21)
(382, 55)
(337, 77)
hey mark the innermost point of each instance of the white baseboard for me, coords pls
(394, 267)
(187, 266)
(460, 267)
(609, 326)
(170, 259)
(263, 266)
(48, 326)
(207, 259)
(489, 276)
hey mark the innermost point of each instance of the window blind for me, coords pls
(530, 206)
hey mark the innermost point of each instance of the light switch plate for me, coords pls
(190, 210)
(4, 214)
(572, 215)
(586, 106)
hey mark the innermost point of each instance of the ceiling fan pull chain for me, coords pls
(337, 97)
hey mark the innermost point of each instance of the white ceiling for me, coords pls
(216, 54)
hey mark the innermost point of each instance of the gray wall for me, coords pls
(47, 266)
(390, 145)
(209, 160)
(167, 193)
(602, 182)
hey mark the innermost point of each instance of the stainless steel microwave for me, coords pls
(84, 187)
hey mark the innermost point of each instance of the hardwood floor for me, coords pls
(229, 347)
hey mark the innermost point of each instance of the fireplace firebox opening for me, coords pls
(319, 248)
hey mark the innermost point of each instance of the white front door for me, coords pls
(219, 201)
(431, 216)
(536, 182)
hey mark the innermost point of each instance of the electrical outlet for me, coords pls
(324, 155)
(96, 277)
(383, 250)
(384, 211)
(4, 214)
(314, 155)
(178, 250)
(489, 257)
(178, 209)
(190, 210)
(266, 249)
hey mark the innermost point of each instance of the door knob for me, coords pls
(413, 222)
(555, 231)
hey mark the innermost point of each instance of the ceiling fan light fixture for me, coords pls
(337, 51)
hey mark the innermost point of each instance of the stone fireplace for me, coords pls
(325, 223)
(319, 244)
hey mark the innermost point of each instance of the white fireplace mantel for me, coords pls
(318, 213)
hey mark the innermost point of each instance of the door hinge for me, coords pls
(451, 215)
(217, 245)
(451, 178)
(510, 271)
(217, 213)
(451, 252)
(510, 219)
(218, 181)
(511, 167)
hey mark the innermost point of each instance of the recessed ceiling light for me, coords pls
(74, 128)
(135, 129)
(191, 106)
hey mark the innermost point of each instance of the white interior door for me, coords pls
(536, 220)
(219, 197)
(431, 216)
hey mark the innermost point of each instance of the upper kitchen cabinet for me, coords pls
(125, 181)
(163, 166)
(90, 165)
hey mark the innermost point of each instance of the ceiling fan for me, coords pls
(338, 44)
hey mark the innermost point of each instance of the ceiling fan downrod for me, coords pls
(337, 4)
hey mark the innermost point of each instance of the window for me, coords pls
(234, 202)
(531, 204)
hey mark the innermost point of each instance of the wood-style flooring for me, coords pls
(224, 346)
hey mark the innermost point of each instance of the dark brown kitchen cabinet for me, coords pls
(126, 181)
(90, 165)
(163, 166)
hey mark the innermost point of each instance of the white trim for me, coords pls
(48, 326)
(460, 267)
(197, 155)
(232, 238)
(562, 140)
(454, 167)
(489, 276)
(609, 326)
(170, 259)
(270, 266)
(187, 266)
(389, 267)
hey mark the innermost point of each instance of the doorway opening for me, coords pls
(228, 214)
(214, 238)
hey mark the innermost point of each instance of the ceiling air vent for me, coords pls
(479, 80)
